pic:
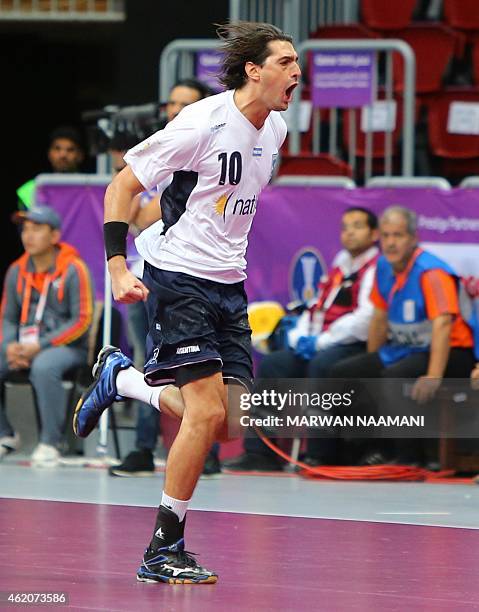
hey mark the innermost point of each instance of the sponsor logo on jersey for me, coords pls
(154, 359)
(217, 127)
(238, 207)
(184, 350)
(257, 151)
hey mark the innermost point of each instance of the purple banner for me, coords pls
(81, 210)
(296, 231)
(208, 65)
(342, 79)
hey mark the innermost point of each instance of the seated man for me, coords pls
(46, 313)
(334, 328)
(416, 330)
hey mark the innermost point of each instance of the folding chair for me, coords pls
(76, 379)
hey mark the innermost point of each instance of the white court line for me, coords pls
(416, 513)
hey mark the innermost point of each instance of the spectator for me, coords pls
(146, 211)
(416, 330)
(46, 313)
(336, 327)
(182, 94)
(65, 151)
(65, 154)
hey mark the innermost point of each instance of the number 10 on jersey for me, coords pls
(232, 167)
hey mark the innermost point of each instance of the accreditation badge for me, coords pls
(409, 311)
(29, 334)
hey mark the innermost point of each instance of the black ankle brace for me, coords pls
(168, 529)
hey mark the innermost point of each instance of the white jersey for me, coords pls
(220, 162)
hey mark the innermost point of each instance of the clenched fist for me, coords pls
(126, 287)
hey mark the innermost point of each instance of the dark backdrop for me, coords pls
(52, 72)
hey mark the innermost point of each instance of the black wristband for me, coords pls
(114, 234)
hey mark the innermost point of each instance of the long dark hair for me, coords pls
(245, 41)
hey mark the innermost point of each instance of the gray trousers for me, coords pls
(45, 375)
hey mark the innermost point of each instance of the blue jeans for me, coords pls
(46, 373)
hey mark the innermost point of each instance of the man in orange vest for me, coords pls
(46, 313)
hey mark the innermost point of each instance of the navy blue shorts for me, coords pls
(195, 323)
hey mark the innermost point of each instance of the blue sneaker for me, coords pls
(102, 392)
(173, 565)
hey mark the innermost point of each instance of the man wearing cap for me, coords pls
(45, 316)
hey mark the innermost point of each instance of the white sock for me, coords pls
(178, 506)
(130, 383)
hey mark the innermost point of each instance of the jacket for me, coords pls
(68, 311)
(343, 311)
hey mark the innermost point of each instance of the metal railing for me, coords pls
(177, 61)
(470, 182)
(387, 46)
(412, 182)
(297, 180)
(62, 10)
(296, 17)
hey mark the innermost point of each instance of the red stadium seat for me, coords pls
(306, 143)
(387, 14)
(348, 31)
(458, 153)
(462, 14)
(323, 164)
(434, 46)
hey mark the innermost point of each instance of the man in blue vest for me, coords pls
(416, 330)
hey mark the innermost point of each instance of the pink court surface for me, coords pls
(291, 544)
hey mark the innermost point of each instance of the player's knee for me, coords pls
(210, 414)
(215, 418)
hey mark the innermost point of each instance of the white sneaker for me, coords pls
(8, 444)
(45, 455)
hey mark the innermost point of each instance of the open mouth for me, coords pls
(289, 91)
